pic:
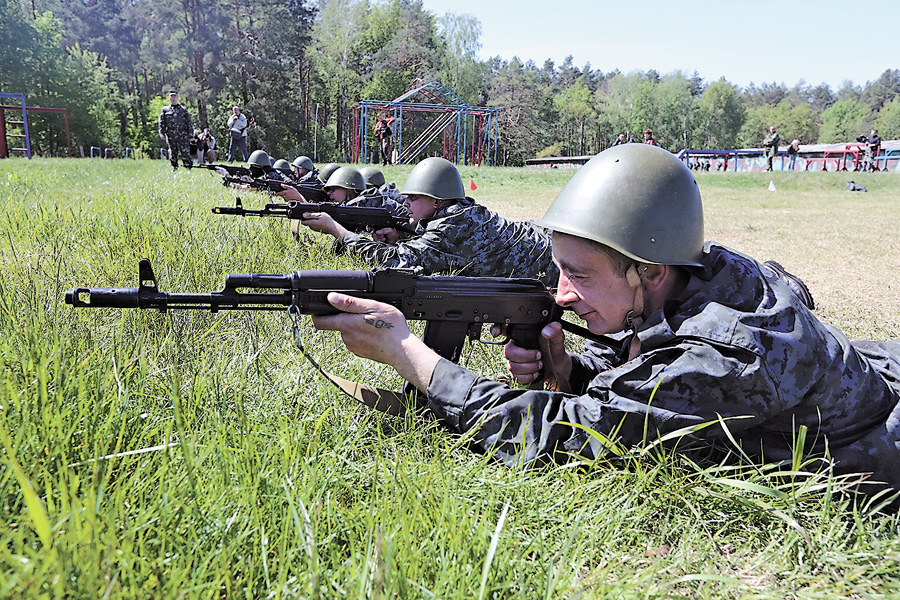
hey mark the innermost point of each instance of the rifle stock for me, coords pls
(354, 218)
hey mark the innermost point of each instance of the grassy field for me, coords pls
(192, 455)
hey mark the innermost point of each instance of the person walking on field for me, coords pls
(771, 146)
(176, 127)
(237, 133)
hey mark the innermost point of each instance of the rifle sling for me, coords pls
(381, 400)
(386, 401)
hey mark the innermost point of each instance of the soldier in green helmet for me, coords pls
(282, 166)
(260, 165)
(326, 172)
(304, 171)
(709, 338)
(375, 183)
(458, 235)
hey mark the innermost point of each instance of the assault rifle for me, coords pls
(354, 218)
(232, 170)
(310, 192)
(454, 308)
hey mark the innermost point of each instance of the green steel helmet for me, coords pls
(304, 162)
(259, 158)
(327, 170)
(347, 178)
(437, 178)
(282, 165)
(635, 198)
(372, 177)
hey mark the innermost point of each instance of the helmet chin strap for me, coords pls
(635, 317)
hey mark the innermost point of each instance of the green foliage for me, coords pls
(888, 121)
(290, 62)
(791, 121)
(845, 120)
(720, 116)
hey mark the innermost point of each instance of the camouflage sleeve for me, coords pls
(661, 392)
(595, 359)
(434, 251)
(161, 124)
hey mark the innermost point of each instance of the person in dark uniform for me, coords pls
(176, 127)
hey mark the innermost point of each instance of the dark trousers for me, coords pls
(386, 147)
(234, 144)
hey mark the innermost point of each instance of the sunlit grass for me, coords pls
(188, 454)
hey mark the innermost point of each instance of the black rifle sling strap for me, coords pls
(386, 401)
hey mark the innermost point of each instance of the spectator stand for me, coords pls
(812, 157)
(470, 133)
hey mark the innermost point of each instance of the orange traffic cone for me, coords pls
(472, 185)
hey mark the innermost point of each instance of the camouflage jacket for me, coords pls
(391, 191)
(467, 239)
(175, 121)
(735, 344)
(311, 178)
(373, 198)
(771, 144)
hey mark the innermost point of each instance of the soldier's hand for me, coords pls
(323, 222)
(387, 235)
(551, 361)
(290, 194)
(378, 331)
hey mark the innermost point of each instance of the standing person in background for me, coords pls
(793, 150)
(210, 154)
(175, 127)
(237, 132)
(648, 138)
(619, 140)
(771, 146)
(873, 148)
(384, 135)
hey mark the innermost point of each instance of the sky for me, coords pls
(761, 41)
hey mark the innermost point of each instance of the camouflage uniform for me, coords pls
(467, 239)
(736, 343)
(771, 146)
(176, 125)
(373, 198)
(391, 191)
(310, 178)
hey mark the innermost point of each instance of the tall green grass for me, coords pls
(193, 455)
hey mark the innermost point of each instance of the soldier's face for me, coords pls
(590, 285)
(420, 207)
(173, 99)
(338, 195)
(300, 171)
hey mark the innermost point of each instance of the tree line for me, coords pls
(297, 68)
